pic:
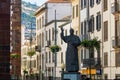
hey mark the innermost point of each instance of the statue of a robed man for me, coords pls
(73, 42)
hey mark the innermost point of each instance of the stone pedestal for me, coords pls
(71, 76)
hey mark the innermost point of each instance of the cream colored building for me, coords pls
(104, 24)
(25, 59)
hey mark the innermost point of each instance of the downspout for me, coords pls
(102, 59)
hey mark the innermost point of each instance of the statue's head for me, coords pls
(71, 31)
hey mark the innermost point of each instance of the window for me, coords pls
(43, 21)
(61, 41)
(73, 12)
(76, 10)
(49, 35)
(117, 59)
(81, 4)
(85, 54)
(81, 28)
(91, 3)
(85, 3)
(76, 32)
(91, 24)
(53, 33)
(46, 57)
(52, 57)
(49, 57)
(98, 21)
(46, 35)
(105, 4)
(61, 57)
(106, 77)
(91, 51)
(85, 23)
(81, 55)
(40, 24)
(65, 32)
(105, 59)
(97, 1)
(105, 30)
(42, 39)
(117, 27)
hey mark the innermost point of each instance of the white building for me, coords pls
(45, 30)
(104, 24)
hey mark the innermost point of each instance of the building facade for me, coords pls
(103, 17)
(15, 36)
(5, 40)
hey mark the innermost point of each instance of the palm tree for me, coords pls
(90, 44)
(30, 54)
(14, 56)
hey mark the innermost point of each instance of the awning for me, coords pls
(87, 71)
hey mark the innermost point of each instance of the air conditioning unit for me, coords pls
(115, 8)
(38, 48)
(116, 42)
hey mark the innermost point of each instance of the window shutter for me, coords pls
(105, 59)
(82, 28)
(91, 3)
(84, 3)
(81, 4)
(99, 22)
(117, 55)
(90, 25)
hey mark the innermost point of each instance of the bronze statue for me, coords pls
(73, 42)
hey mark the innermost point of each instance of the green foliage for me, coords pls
(14, 55)
(25, 71)
(91, 43)
(54, 48)
(31, 53)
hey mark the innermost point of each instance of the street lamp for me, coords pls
(62, 68)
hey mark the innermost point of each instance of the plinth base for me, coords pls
(71, 76)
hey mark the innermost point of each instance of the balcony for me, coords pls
(115, 7)
(38, 48)
(84, 36)
(116, 42)
(95, 62)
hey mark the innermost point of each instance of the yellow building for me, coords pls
(76, 16)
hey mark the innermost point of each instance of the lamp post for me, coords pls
(62, 72)
(55, 55)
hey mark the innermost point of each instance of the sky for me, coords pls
(38, 2)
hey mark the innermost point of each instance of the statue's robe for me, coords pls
(73, 42)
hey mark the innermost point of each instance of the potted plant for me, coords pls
(31, 53)
(54, 48)
(93, 43)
